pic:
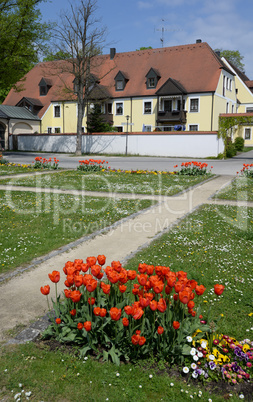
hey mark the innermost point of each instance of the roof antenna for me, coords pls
(162, 29)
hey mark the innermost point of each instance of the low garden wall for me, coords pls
(175, 144)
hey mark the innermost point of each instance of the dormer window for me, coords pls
(152, 78)
(44, 85)
(120, 81)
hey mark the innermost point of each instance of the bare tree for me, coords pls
(81, 35)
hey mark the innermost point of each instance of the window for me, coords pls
(151, 82)
(148, 129)
(249, 109)
(230, 87)
(119, 129)
(109, 108)
(227, 108)
(194, 105)
(43, 90)
(57, 111)
(119, 85)
(193, 127)
(147, 107)
(57, 130)
(233, 107)
(119, 108)
(167, 105)
(49, 130)
(247, 133)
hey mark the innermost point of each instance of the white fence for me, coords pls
(175, 144)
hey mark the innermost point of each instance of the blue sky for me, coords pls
(225, 24)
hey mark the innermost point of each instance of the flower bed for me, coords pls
(193, 168)
(122, 314)
(246, 171)
(91, 165)
(43, 163)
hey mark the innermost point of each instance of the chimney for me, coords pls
(198, 41)
(218, 53)
(112, 53)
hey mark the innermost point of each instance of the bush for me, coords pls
(230, 148)
(239, 143)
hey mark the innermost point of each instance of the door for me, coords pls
(2, 136)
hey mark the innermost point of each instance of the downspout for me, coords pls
(63, 123)
(212, 112)
(131, 113)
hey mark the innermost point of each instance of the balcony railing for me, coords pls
(173, 116)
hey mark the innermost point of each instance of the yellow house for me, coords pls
(179, 88)
(244, 105)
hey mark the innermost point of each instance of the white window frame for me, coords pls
(55, 130)
(119, 114)
(193, 125)
(247, 128)
(190, 100)
(151, 108)
(59, 106)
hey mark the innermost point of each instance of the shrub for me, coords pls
(239, 143)
(230, 150)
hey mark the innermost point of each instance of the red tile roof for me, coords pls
(195, 67)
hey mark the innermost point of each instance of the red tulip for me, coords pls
(142, 340)
(115, 313)
(73, 312)
(79, 326)
(54, 276)
(102, 312)
(75, 296)
(176, 324)
(96, 311)
(101, 259)
(91, 300)
(199, 289)
(87, 325)
(160, 330)
(58, 320)
(45, 290)
(91, 261)
(218, 289)
(125, 322)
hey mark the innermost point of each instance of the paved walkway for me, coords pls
(20, 298)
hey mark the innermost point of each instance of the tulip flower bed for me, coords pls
(43, 163)
(91, 165)
(193, 168)
(123, 315)
(246, 171)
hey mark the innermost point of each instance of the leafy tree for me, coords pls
(234, 57)
(22, 37)
(57, 56)
(144, 48)
(96, 123)
(80, 33)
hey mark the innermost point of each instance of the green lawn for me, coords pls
(146, 183)
(58, 375)
(33, 224)
(15, 169)
(240, 189)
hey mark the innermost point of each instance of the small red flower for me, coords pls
(54, 276)
(45, 290)
(58, 320)
(160, 330)
(218, 289)
(176, 324)
(73, 312)
(80, 326)
(87, 325)
(125, 322)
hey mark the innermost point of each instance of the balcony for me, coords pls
(172, 117)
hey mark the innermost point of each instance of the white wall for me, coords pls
(185, 144)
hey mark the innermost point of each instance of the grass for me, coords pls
(213, 245)
(148, 183)
(241, 189)
(33, 224)
(15, 169)
(57, 375)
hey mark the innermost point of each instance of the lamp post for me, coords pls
(127, 119)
